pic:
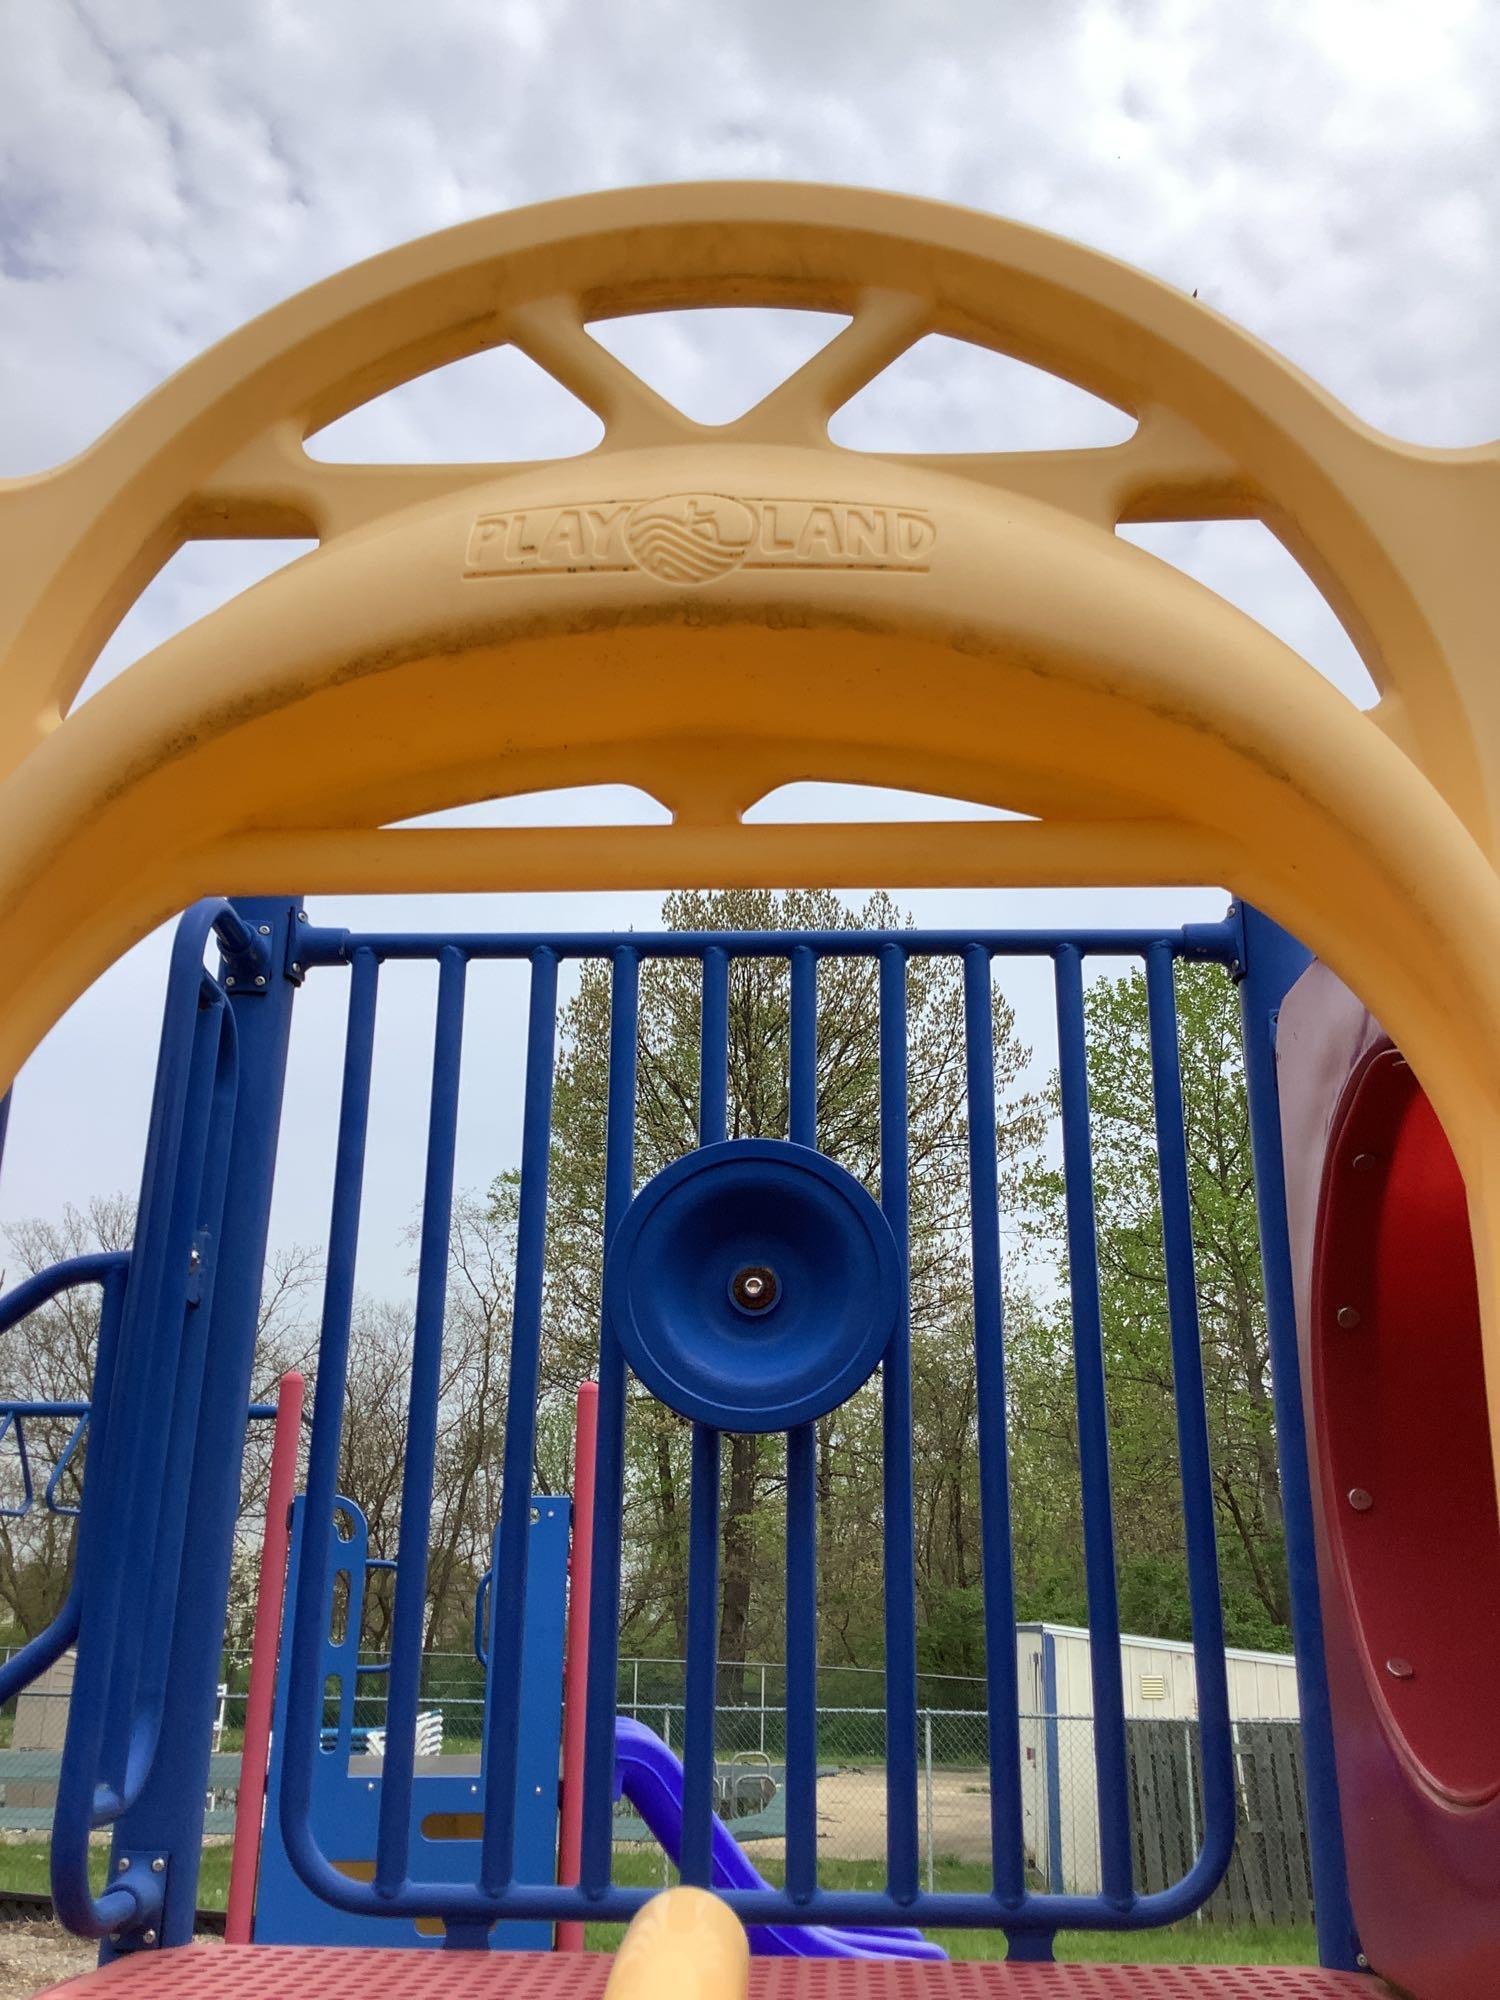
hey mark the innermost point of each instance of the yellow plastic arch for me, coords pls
(711, 612)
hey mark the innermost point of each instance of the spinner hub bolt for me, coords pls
(755, 1289)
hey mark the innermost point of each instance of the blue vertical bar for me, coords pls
(168, 1816)
(609, 1471)
(303, 1646)
(701, 1667)
(1093, 1435)
(696, 1859)
(896, 1448)
(5, 1122)
(802, 1501)
(202, 1222)
(503, 1679)
(1273, 962)
(713, 1049)
(164, 1384)
(803, 1064)
(1219, 1802)
(129, 1478)
(1007, 1833)
(409, 1614)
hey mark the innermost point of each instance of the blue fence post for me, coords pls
(167, 1818)
(1271, 962)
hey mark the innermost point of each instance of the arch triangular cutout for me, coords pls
(495, 405)
(715, 363)
(809, 800)
(1245, 563)
(949, 395)
(198, 579)
(568, 805)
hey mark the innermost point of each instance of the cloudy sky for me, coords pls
(1323, 171)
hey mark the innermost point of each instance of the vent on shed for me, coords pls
(1153, 1687)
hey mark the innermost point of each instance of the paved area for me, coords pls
(851, 1816)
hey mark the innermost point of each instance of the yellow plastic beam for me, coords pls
(711, 612)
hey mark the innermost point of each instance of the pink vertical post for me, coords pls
(245, 1862)
(576, 1677)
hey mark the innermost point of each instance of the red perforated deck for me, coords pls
(275, 1972)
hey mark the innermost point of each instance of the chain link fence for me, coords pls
(1268, 1881)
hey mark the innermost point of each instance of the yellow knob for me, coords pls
(684, 1945)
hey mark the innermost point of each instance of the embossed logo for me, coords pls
(692, 538)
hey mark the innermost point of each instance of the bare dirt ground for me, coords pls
(851, 1816)
(34, 1956)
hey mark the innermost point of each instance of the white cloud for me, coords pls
(1321, 170)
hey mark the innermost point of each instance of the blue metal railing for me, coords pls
(108, 1270)
(494, 1892)
(167, 1401)
(145, 1414)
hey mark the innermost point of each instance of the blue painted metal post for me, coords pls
(1271, 963)
(1204, 1595)
(309, 1590)
(505, 1676)
(896, 1452)
(409, 1612)
(802, 1502)
(1007, 1831)
(609, 1474)
(1105, 1668)
(700, 1673)
(167, 1819)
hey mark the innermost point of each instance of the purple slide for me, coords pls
(650, 1777)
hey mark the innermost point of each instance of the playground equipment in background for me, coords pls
(710, 613)
(40, 1768)
(15, 1415)
(651, 1779)
(446, 1825)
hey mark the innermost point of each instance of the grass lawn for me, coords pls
(23, 1865)
(1189, 1943)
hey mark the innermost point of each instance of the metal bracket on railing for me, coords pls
(144, 1876)
(294, 966)
(247, 952)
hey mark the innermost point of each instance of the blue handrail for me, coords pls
(144, 1422)
(107, 1269)
(1029, 1917)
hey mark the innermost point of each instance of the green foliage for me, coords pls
(848, 1455)
(1042, 1424)
(1143, 1443)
